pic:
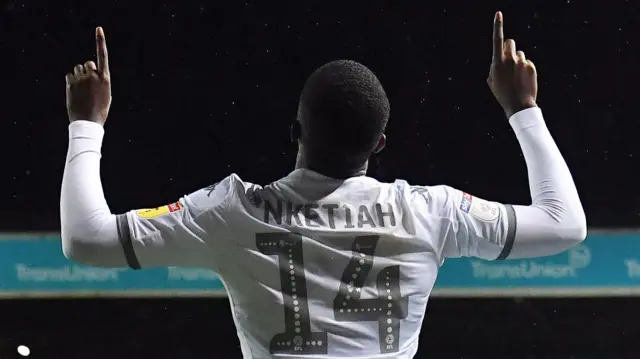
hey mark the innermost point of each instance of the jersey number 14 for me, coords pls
(387, 308)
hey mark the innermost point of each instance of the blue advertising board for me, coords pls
(35, 266)
(608, 263)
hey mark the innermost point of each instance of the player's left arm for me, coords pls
(555, 221)
(173, 235)
(474, 227)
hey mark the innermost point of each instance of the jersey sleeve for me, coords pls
(466, 226)
(187, 232)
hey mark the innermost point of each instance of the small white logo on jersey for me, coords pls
(484, 210)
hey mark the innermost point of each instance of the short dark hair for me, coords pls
(343, 110)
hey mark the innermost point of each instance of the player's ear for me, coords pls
(296, 131)
(381, 143)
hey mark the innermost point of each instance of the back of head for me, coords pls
(343, 111)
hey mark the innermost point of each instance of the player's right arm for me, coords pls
(554, 222)
(185, 233)
(188, 232)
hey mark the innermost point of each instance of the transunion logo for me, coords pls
(577, 258)
(72, 273)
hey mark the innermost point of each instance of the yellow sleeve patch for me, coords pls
(159, 211)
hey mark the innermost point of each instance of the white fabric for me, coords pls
(88, 228)
(317, 266)
(556, 220)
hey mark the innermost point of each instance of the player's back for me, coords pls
(320, 267)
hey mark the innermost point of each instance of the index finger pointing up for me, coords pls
(101, 51)
(498, 36)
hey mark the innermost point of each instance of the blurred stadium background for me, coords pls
(205, 89)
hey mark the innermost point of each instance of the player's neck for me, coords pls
(330, 168)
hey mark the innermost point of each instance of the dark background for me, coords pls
(206, 88)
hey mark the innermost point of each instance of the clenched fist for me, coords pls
(512, 78)
(89, 87)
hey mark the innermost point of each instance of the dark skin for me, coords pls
(512, 80)
(89, 86)
(360, 169)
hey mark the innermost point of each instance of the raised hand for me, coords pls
(512, 78)
(89, 86)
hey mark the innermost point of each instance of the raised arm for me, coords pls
(555, 220)
(473, 227)
(89, 231)
(175, 234)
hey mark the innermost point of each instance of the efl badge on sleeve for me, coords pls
(159, 211)
(465, 205)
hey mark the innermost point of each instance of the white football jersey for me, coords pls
(317, 267)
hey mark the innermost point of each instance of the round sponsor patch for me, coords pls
(158, 211)
(484, 210)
